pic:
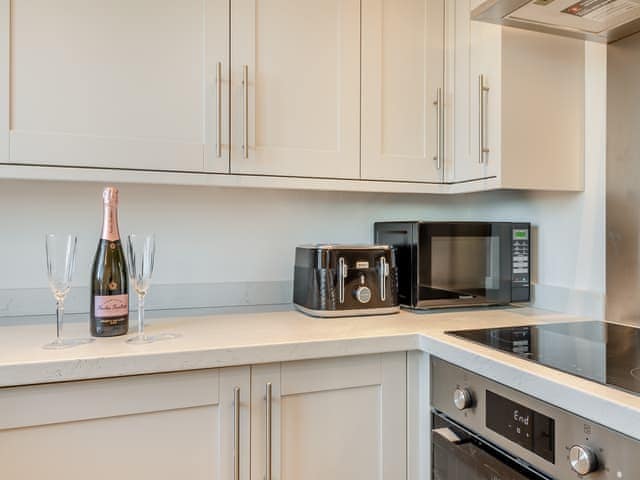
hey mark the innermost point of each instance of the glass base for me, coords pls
(60, 343)
(141, 339)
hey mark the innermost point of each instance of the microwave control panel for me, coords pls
(520, 271)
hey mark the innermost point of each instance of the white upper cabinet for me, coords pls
(515, 104)
(373, 95)
(402, 90)
(295, 92)
(474, 54)
(136, 84)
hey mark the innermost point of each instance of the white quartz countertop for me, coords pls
(252, 336)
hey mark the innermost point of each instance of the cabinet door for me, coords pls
(340, 418)
(136, 84)
(473, 50)
(402, 90)
(299, 110)
(157, 426)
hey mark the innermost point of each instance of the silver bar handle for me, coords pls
(384, 273)
(438, 105)
(482, 91)
(442, 129)
(342, 274)
(236, 433)
(245, 111)
(267, 475)
(219, 109)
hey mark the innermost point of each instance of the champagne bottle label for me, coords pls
(110, 306)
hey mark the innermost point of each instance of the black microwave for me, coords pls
(454, 264)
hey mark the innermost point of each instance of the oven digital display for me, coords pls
(526, 427)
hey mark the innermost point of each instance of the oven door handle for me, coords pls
(447, 434)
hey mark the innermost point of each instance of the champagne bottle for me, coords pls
(109, 315)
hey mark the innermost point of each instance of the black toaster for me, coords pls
(345, 280)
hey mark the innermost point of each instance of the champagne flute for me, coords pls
(61, 258)
(141, 250)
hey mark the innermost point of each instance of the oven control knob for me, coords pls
(363, 294)
(462, 398)
(583, 460)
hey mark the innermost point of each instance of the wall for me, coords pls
(623, 181)
(220, 246)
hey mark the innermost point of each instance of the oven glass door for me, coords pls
(458, 455)
(465, 263)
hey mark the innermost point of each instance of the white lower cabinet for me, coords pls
(339, 418)
(164, 426)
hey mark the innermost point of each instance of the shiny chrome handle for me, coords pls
(440, 143)
(342, 274)
(245, 111)
(267, 475)
(219, 109)
(447, 434)
(482, 90)
(236, 433)
(383, 274)
(442, 128)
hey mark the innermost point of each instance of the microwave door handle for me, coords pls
(383, 272)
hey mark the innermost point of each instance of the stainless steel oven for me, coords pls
(482, 430)
(452, 264)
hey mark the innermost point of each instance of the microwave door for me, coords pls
(470, 266)
(464, 267)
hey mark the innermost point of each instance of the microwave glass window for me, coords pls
(464, 266)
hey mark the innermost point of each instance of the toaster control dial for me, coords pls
(363, 294)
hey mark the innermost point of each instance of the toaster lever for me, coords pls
(383, 272)
(342, 274)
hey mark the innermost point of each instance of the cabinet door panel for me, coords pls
(147, 445)
(403, 61)
(157, 426)
(486, 60)
(136, 90)
(339, 418)
(332, 434)
(474, 50)
(303, 64)
(5, 78)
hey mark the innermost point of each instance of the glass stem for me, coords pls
(140, 315)
(59, 319)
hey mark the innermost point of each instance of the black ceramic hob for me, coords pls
(606, 353)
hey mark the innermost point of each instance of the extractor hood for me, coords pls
(599, 20)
